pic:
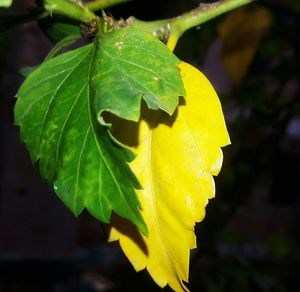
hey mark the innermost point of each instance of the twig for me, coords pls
(103, 4)
(172, 29)
(70, 9)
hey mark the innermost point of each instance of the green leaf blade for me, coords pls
(60, 128)
(133, 65)
(56, 30)
(5, 3)
(41, 90)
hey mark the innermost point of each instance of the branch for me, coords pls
(70, 9)
(172, 29)
(9, 20)
(103, 4)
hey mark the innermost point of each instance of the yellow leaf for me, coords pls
(242, 32)
(176, 158)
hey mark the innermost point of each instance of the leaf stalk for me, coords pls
(103, 4)
(70, 9)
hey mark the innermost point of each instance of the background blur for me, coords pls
(249, 240)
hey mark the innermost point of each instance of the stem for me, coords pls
(70, 9)
(9, 20)
(173, 28)
(103, 4)
(204, 13)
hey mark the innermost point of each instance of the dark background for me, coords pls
(249, 240)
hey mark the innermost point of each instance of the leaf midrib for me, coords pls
(161, 237)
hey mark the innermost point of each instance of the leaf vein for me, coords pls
(79, 165)
(65, 123)
(52, 99)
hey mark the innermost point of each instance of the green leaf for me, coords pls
(57, 29)
(60, 128)
(59, 107)
(62, 44)
(5, 3)
(134, 65)
(26, 71)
